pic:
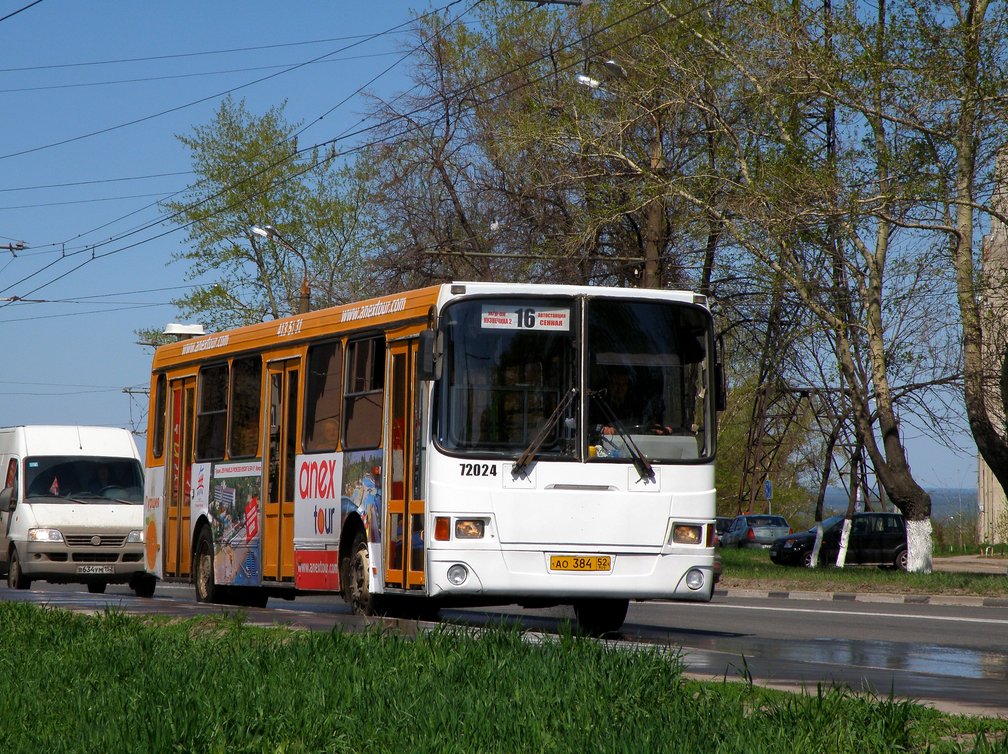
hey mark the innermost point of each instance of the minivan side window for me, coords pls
(211, 413)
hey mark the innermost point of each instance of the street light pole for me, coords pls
(268, 231)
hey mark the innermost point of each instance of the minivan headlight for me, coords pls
(45, 535)
(135, 536)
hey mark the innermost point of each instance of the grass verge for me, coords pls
(119, 683)
(751, 568)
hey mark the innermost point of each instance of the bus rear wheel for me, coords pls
(203, 570)
(357, 586)
(597, 617)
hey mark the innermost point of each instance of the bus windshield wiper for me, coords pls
(529, 454)
(640, 461)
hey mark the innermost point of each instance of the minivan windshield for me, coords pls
(84, 478)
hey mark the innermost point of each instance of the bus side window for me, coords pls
(211, 416)
(365, 383)
(246, 397)
(160, 404)
(322, 396)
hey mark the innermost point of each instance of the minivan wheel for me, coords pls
(15, 578)
(143, 585)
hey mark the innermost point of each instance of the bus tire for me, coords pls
(357, 586)
(597, 617)
(143, 585)
(203, 568)
(15, 576)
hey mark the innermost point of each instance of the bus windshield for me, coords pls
(508, 364)
(648, 380)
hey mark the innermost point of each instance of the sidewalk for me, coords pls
(950, 564)
(971, 564)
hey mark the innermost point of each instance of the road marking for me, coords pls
(857, 613)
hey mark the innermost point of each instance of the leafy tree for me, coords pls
(250, 173)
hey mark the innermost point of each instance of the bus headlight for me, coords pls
(687, 534)
(469, 528)
(457, 574)
(694, 579)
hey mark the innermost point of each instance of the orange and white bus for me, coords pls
(466, 443)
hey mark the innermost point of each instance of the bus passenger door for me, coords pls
(178, 509)
(404, 551)
(280, 448)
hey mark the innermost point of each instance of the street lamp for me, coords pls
(268, 231)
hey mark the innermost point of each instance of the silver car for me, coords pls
(755, 530)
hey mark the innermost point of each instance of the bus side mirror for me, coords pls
(7, 499)
(428, 365)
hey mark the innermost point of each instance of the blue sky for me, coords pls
(94, 94)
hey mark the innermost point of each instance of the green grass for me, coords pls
(749, 567)
(120, 683)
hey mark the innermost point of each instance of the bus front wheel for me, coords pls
(597, 617)
(357, 587)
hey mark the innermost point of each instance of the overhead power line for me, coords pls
(322, 146)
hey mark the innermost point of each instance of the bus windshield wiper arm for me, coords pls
(529, 454)
(640, 461)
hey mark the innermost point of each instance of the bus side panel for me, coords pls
(229, 494)
(154, 488)
(332, 489)
(317, 520)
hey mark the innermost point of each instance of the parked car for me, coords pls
(755, 530)
(875, 539)
(721, 524)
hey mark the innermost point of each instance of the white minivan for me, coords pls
(71, 507)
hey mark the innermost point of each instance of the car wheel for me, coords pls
(901, 560)
(96, 587)
(143, 585)
(598, 617)
(807, 560)
(15, 578)
(203, 571)
(357, 588)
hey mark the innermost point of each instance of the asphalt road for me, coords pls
(951, 655)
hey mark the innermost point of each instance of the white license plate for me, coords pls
(99, 569)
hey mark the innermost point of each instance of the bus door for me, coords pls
(178, 510)
(404, 554)
(281, 436)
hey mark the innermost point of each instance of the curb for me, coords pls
(897, 599)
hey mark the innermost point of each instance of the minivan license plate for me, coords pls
(580, 562)
(101, 569)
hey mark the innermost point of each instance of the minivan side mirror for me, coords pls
(7, 499)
